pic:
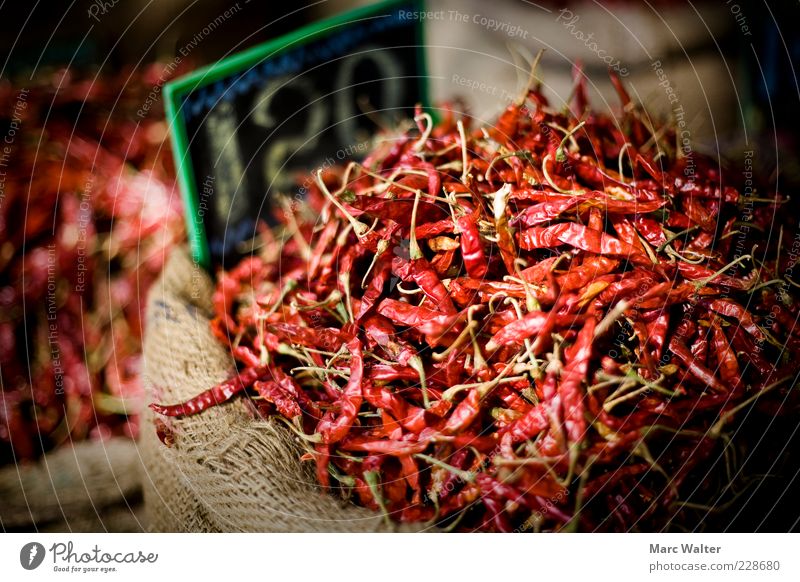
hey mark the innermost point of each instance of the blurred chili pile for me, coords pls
(86, 215)
(553, 323)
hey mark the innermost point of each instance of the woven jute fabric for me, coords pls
(90, 486)
(224, 470)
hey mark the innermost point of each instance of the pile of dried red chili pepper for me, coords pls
(552, 323)
(88, 211)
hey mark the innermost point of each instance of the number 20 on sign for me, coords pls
(247, 127)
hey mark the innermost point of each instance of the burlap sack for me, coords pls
(225, 471)
(91, 486)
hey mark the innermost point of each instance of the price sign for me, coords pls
(246, 127)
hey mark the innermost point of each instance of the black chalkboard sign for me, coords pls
(248, 126)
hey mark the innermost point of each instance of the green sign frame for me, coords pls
(176, 91)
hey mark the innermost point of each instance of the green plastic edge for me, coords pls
(174, 91)
(195, 230)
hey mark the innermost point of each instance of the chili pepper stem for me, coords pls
(705, 281)
(297, 429)
(572, 525)
(683, 432)
(420, 143)
(345, 480)
(372, 478)
(305, 249)
(383, 244)
(335, 296)
(290, 285)
(456, 521)
(641, 450)
(464, 165)
(530, 348)
(524, 154)
(413, 248)
(484, 387)
(345, 280)
(378, 358)
(466, 476)
(287, 350)
(549, 179)
(612, 316)
(672, 237)
(716, 508)
(500, 202)
(560, 155)
(466, 332)
(415, 362)
(789, 280)
(404, 291)
(609, 405)
(263, 355)
(480, 362)
(358, 227)
(531, 79)
(341, 373)
(647, 248)
(391, 182)
(717, 428)
(676, 255)
(766, 284)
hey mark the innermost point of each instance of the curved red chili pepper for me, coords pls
(335, 429)
(472, 247)
(213, 396)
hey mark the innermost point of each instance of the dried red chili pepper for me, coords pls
(220, 393)
(334, 429)
(472, 247)
(574, 374)
(580, 237)
(485, 373)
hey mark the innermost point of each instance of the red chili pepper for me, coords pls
(322, 337)
(698, 272)
(572, 378)
(465, 413)
(545, 211)
(213, 396)
(726, 357)
(471, 247)
(657, 333)
(398, 210)
(580, 237)
(532, 323)
(732, 309)
(383, 270)
(335, 429)
(272, 392)
(430, 229)
(386, 447)
(505, 237)
(420, 272)
(496, 514)
(443, 262)
(325, 239)
(592, 269)
(700, 371)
